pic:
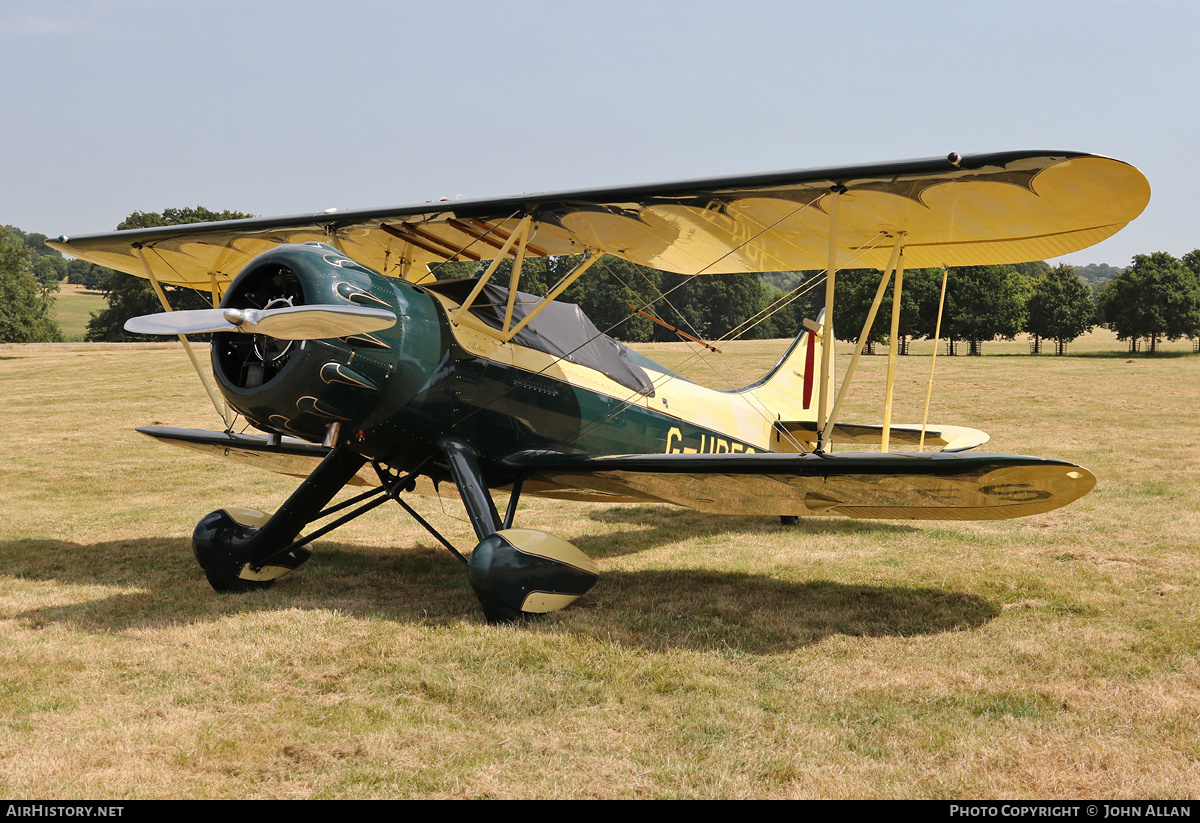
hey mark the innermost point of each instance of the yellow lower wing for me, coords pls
(938, 486)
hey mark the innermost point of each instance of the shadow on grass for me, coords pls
(757, 614)
(1085, 355)
(162, 587)
(1134, 356)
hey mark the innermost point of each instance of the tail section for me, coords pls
(791, 389)
(790, 393)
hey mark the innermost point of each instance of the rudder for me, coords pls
(791, 389)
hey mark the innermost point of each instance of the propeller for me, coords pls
(290, 323)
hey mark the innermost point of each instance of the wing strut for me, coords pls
(895, 265)
(897, 291)
(520, 236)
(333, 239)
(823, 415)
(522, 228)
(897, 251)
(553, 294)
(937, 337)
(217, 402)
(215, 288)
(515, 279)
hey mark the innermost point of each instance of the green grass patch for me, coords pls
(73, 307)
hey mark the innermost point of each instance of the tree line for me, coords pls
(1156, 298)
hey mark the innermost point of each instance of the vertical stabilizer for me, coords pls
(790, 390)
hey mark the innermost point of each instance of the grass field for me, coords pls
(73, 307)
(1049, 657)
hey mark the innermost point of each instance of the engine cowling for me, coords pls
(299, 387)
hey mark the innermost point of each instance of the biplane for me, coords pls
(334, 338)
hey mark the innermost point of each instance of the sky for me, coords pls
(115, 106)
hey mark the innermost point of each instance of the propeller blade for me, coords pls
(180, 322)
(290, 323)
(317, 322)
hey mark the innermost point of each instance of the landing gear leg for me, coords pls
(232, 544)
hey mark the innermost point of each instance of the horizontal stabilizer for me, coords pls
(950, 438)
(912, 486)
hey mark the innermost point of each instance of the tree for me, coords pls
(983, 303)
(49, 269)
(783, 309)
(25, 305)
(856, 290)
(1098, 275)
(130, 296)
(789, 297)
(50, 266)
(606, 292)
(86, 274)
(1156, 297)
(1192, 261)
(1060, 308)
(47, 265)
(711, 306)
(852, 300)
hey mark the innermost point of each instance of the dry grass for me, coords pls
(717, 657)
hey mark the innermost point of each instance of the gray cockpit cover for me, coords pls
(560, 329)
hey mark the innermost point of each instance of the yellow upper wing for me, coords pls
(996, 208)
